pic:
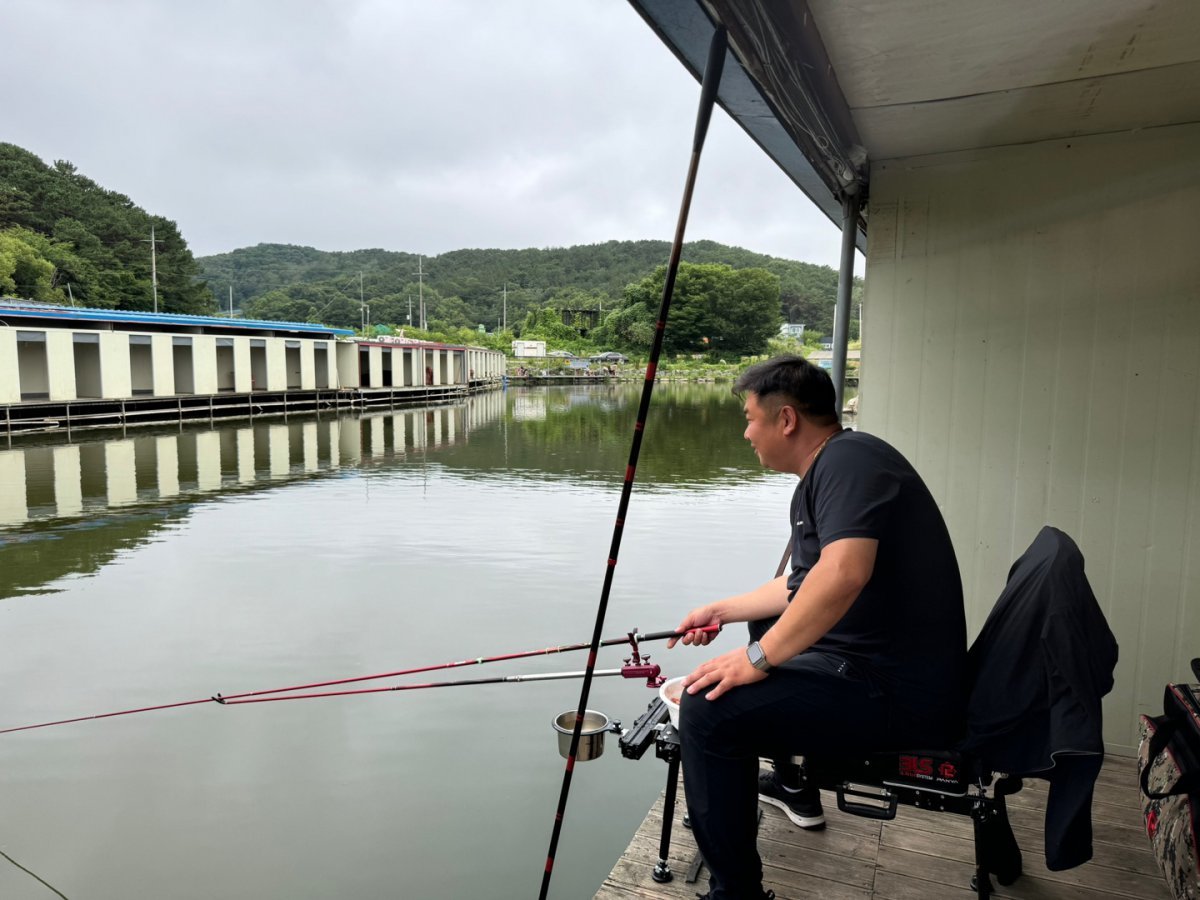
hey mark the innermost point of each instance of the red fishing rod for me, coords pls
(627, 671)
(708, 96)
(632, 638)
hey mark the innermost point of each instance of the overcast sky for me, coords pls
(413, 125)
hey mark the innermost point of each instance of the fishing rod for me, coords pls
(708, 97)
(462, 682)
(637, 666)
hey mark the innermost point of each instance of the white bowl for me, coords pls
(670, 692)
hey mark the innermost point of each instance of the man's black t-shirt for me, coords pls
(907, 630)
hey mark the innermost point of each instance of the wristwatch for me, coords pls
(757, 658)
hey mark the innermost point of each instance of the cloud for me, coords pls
(413, 126)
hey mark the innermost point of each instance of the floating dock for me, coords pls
(66, 367)
(919, 855)
(39, 417)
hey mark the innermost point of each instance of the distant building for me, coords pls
(824, 358)
(792, 331)
(529, 348)
(72, 363)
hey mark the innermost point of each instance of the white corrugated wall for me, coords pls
(1032, 343)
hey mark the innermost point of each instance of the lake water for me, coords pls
(171, 565)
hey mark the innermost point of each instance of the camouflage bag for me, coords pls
(1169, 774)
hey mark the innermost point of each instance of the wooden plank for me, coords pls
(1106, 791)
(1098, 879)
(893, 886)
(835, 838)
(1122, 768)
(847, 857)
(956, 874)
(1102, 832)
(633, 871)
(1120, 814)
(921, 855)
(934, 822)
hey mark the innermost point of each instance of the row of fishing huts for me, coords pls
(65, 365)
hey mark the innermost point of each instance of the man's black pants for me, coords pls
(814, 704)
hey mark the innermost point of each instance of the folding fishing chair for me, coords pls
(1047, 597)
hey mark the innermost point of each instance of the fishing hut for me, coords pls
(1022, 181)
(68, 367)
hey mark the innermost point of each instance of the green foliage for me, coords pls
(547, 325)
(714, 308)
(497, 286)
(96, 241)
(779, 346)
(23, 269)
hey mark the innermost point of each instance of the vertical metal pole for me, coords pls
(154, 267)
(841, 318)
(662, 869)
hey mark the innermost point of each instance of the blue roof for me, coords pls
(11, 308)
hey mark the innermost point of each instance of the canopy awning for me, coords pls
(825, 87)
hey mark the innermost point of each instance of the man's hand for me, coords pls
(725, 672)
(699, 617)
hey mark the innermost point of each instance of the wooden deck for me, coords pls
(918, 856)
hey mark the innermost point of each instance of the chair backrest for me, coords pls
(1041, 664)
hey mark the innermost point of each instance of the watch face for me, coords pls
(757, 658)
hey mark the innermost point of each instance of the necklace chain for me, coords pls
(821, 446)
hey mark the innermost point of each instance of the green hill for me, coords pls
(467, 288)
(63, 239)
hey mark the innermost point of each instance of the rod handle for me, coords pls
(665, 635)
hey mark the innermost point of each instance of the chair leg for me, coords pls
(996, 848)
(981, 882)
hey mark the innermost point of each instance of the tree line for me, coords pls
(510, 290)
(65, 239)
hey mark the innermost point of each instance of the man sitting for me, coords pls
(868, 650)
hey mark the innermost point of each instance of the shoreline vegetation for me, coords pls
(681, 367)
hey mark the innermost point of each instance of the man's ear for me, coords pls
(789, 418)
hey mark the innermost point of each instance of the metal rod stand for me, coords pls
(662, 869)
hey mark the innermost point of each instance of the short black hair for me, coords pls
(794, 381)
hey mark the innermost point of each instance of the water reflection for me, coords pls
(70, 507)
(69, 480)
(283, 552)
(581, 434)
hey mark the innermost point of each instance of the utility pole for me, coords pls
(231, 301)
(410, 309)
(70, 293)
(505, 328)
(420, 273)
(153, 265)
(362, 307)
